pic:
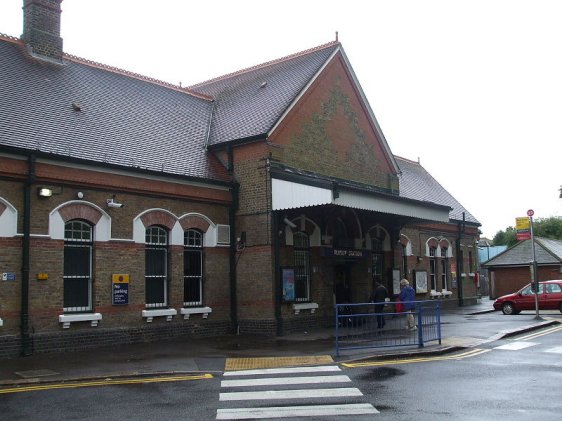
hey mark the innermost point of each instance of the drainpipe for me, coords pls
(25, 252)
(232, 257)
(277, 272)
(460, 230)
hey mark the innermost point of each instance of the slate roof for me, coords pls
(547, 252)
(124, 121)
(416, 183)
(250, 102)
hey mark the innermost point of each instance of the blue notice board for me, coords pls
(120, 289)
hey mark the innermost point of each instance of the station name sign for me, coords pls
(348, 253)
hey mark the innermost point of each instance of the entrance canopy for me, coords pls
(287, 194)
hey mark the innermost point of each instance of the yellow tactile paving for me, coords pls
(461, 341)
(234, 364)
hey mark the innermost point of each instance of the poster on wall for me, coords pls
(421, 281)
(396, 281)
(120, 289)
(288, 282)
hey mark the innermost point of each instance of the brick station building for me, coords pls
(135, 210)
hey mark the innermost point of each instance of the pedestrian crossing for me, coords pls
(321, 391)
(519, 345)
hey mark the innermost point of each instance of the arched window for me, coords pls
(77, 275)
(301, 251)
(156, 267)
(432, 268)
(444, 269)
(192, 268)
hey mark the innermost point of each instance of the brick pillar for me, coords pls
(41, 27)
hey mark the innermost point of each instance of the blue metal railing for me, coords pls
(359, 326)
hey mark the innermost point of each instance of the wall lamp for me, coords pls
(44, 192)
(48, 191)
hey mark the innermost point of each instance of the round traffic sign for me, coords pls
(530, 212)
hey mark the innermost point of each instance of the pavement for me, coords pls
(462, 327)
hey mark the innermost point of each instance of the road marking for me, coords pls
(557, 350)
(273, 381)
(291, 394)
(541, 333)
(471, 353)
(107, 382)
(287, 370)
(296, 411)
(516, 346)
(233, 364)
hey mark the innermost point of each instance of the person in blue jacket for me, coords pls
(408, 296)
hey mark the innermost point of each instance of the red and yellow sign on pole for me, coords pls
(523, 228)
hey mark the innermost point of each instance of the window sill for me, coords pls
(434, 294)
(204, 311)
(67, 319)
(163, 312)
(446, 294)
(305, 306)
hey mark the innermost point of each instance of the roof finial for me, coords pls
(336, 36)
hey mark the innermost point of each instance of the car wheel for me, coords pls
(560, 308)
(507, 308)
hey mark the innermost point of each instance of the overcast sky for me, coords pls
(471, 88)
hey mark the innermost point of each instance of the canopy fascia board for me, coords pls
(292, 195)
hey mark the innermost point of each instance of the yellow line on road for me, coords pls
(107, 382)
(541, 333)
(471, 353)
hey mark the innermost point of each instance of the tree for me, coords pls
(542, 227)
(505, 238)
(548, 228)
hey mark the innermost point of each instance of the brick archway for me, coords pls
(80, 211)
(195, 222)
(158, 217)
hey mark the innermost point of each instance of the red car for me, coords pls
(550, 298)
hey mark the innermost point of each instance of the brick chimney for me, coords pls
(41, 27)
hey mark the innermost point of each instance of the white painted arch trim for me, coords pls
(386, 245)
(176, 234)
(8, 220)
(102, 229)
(300, 222)
(408, 250)
(438, 251)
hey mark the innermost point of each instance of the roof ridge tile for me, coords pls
(266, 64)
(134, 75)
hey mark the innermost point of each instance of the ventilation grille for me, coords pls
(223, 234)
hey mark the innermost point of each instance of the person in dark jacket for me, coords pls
(408, 296)
(379, 296)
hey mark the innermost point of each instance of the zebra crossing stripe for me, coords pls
(557, 350)
(296, 411)
(285, 370)
(275, 381)
(516, 346)
(291, 394)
